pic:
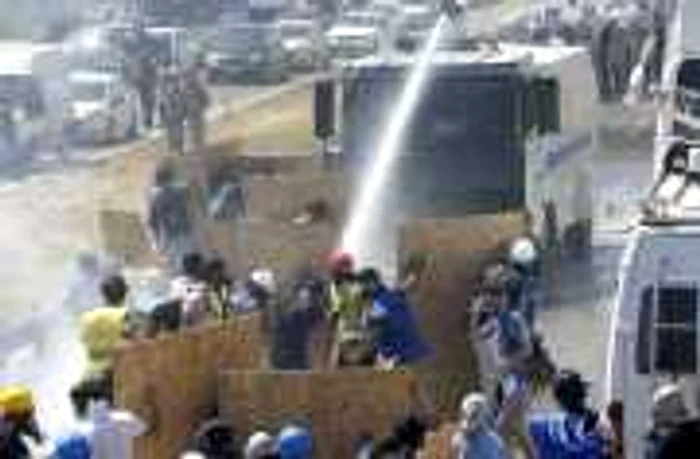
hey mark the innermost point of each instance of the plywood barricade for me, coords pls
(283, 247)
(456, 250)
(172, 380)
(340, 406)
(261, 164)
(282, 198)
(438, 443)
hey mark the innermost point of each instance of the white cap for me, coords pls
(523, 251)
(668, 404)
(474, 412)
(258, 444)
(265, 278)
(193, 455)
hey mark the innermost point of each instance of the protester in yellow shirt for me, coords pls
(351, 344)
(103, 328)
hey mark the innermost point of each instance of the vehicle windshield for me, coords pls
(296, 29)
(244, 37)
(360, 20)
(687, 100)
(88, 91)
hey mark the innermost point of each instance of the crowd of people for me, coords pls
(621, 36)
(371, 324)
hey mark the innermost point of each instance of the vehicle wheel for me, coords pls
(110, 135)
(550, 231)
(132, 127)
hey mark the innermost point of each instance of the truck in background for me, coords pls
(504, 129)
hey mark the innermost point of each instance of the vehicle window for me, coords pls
(667, 333)
(295, 30)
(88, 91)
(545, 105)
(676, 334)
(646, 311)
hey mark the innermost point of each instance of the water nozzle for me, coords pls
(453, 9)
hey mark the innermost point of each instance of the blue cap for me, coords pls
(294, 442)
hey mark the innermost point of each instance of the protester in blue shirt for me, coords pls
(574, 432)
(396, 334)
(477, 438)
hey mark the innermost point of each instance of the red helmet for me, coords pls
(340, 261)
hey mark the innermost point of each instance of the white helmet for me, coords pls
(265, 278)
(523, 251)
(474, 412)
(258, 444)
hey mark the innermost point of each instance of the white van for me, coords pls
(31, 85)
(655, 318)
(101, 108)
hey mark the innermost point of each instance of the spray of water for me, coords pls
(357, 236)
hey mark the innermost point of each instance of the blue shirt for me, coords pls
(398, 334)
(563, 436)
(482, 444)
(72, 446)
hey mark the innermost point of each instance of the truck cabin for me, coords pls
(686, 121)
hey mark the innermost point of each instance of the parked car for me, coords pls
(300, 43)
(101, 108)
(355, 35)
(414, 25)
(247, 51)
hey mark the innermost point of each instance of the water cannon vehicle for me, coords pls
(499, 127)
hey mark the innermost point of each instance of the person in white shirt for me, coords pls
(113, 431)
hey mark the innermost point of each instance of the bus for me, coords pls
(505, 127)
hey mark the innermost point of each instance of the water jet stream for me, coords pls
(357, 237)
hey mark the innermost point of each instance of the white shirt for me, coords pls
(113, 432)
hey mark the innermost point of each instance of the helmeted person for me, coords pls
(513, 344)
(260, 445)
(256, 293)
(675, 433)
(102, 329)
(476, 437)
(524, 259)
(294, 442)
(574, 432)
(348, 308)
(18, 424)
(170, 223)
(173, 111)
(396, 336)
(215, 439)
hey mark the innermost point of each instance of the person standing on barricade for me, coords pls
(169, 224)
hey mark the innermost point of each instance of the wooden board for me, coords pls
(438, 443)
(456, 251)
(282, 198)
(171, 381)
(282, 247)
(339, 406)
